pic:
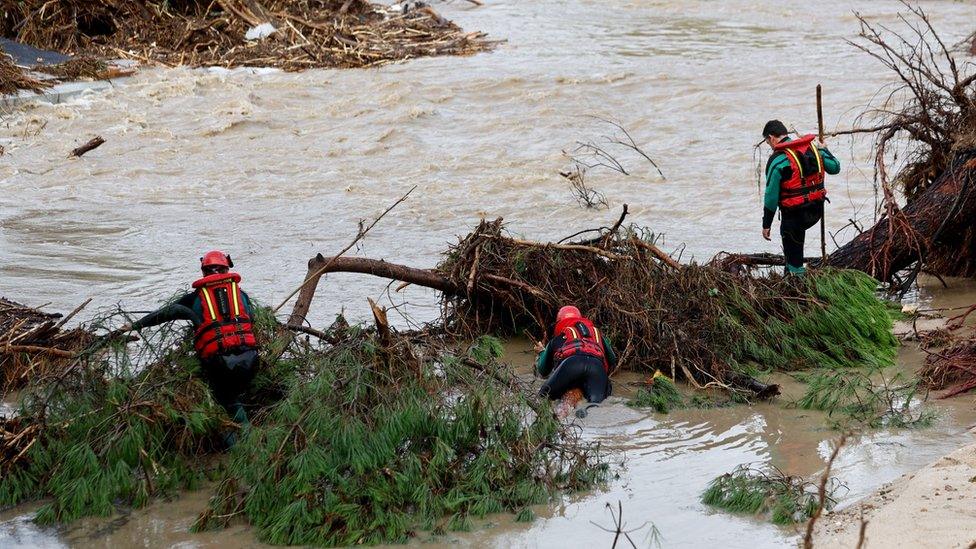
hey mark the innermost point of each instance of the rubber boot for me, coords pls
(239, 416)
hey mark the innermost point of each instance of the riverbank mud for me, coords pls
(931, 507)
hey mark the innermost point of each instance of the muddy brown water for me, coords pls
(274, 167)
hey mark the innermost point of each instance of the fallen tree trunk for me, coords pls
(694, 321)
(375, 267)
(942, 212)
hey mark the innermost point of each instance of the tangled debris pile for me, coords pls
(952, 369)
(83, 67)
(329, 457)
(692, 319)
(32, 344)
(37, 78)
(697, 322)
(290, 34)
(13, 78)
(951, 361)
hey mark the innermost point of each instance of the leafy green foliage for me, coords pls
(369, 440)
(486, 349)
(108, 439)
(833, 320)
(767, 491)
(376, 446)
(866, 398)
(659, 394)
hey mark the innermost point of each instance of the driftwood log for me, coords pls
(362, 265)
(940, 215)
(91, 145)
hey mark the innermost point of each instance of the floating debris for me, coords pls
(658, 393)
(768, 492)
(13, 78)
(33, 343)
(856, 398)
(231, 33)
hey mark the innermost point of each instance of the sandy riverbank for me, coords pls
(933, 507)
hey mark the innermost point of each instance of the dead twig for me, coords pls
(822, 493)
(359, 236)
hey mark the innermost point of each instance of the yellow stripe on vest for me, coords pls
(573, 330)
(816, 152)
(237, 303)
(210, 305)
(796, 160)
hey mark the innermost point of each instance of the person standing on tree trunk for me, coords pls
(578, 356)
(795, 176)
(223, 336)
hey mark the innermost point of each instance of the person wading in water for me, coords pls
(223, 336)
(581, 356)
(795, 184)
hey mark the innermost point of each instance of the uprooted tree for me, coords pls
(697, 322)
(934, 230)
(925, 162)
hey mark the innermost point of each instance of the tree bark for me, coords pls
(942, 212)
(376, 267)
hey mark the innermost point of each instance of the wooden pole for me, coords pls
(823, 223)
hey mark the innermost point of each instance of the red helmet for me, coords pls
(215, 258)
(567, 312)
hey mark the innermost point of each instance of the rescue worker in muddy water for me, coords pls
(795, 175)
(223, 336)
(578, 356)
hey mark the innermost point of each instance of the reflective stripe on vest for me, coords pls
(808, 188)
(799, 165)
(237, 304)
(209, 302)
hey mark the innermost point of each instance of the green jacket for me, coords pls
(187, 307)
(778, 169)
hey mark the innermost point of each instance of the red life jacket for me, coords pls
(806, 185)
(582, 338)
(226, 327)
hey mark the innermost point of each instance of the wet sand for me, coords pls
(932, 507)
